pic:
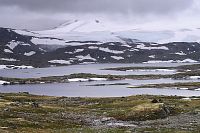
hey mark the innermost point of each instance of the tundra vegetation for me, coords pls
(22, 112)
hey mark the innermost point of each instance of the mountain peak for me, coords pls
(82, 26)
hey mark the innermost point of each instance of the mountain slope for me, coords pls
(95, 30)
(79, 42)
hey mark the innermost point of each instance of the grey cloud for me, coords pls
(45, 14)
(100, 6)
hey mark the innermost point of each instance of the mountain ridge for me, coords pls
(44, 48)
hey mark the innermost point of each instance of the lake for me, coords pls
(85, 89)
(89, 68)
(88, 89)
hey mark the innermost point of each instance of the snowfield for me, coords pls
(95, 30)
(48, 41)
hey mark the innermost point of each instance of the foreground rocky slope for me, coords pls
(30, 113)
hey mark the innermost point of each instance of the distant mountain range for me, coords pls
(80, 42)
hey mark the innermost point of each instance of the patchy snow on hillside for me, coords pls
(133, 49)
(93, 47)
(69, 52)
(7, 51)
(85, 63)
(111, 51)
(25, 44)
(142, 46)
(78, 50)
(87, 57)
(13, 44)
(117, 57)
(180, 53)
(60, 62)
(10, 59)
(152, 56)
(30, 53)
(188, 61)
(126, 45)
(171, 61)
(48, 41)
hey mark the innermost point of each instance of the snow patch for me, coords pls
(85, 80)
(13, 44)
(87, 57)
(30, 53)
(78, 50)
(59, 62)
(117, 57)
(126, 45)
(142, 46)
(4, 82)
(152, 70)
(171, 61)
(93, 47)
(78, 80)
(158, 61)
(194, 77)
(98, 79)
(68, 52)
(180, 53)
(188, 61)
(7, 51)
(6, 59)
(183, 88)
(15, 67)
(3, 66)
(111, 51)
(48, 41)
(152, 56)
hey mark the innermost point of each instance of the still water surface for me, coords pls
(81, 89)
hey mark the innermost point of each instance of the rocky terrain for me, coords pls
(30, 113)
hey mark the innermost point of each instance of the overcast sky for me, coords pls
(45, 14)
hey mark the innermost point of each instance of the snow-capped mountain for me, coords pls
(78, 41)
(96, 30)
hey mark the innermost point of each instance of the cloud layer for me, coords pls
(34, 14)
(102, 6)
